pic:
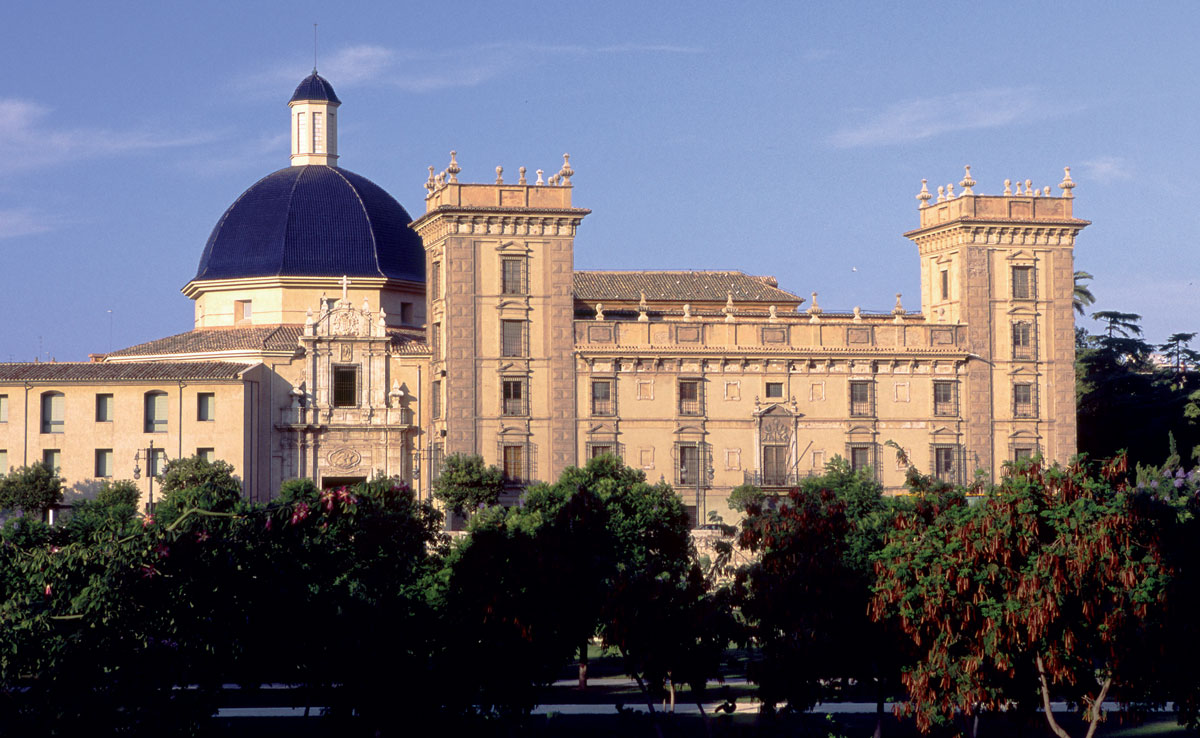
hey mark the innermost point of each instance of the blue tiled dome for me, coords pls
(315, 87)
(314, 220)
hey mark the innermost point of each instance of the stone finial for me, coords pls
(1029, 187)
(453, 169)
(539, 179)
(396, 392)
(728, 309)
(309, 323)
(774, 316)
(857, 314)
(1008, 187)
(967, 182)
(499, 175)
(566, 172)
(553, 181)
(430, 184)
(687, 310)
(950, 191)
(1046, 191)
(941, 193)
(923, 195)
(1066, 185)
(441, 179)
(1019, 192)
(366, 306)
(899, 309)
(522, 179)
(599, 311)
(642, 308)
(814, 308)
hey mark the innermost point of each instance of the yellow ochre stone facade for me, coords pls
(705, 379)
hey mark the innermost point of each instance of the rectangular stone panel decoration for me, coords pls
(774, 335)
(600, 333)
(858, 336)
(687, 334)
(941, 336)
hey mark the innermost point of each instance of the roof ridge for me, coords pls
(367, 215)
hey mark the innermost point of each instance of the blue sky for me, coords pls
(786, 139)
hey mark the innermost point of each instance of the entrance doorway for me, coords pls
(335, 482)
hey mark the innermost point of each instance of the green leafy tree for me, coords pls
(467, 484)
(117, 492)
(32, 489)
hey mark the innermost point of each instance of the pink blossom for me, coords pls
(147, 521)
(47, 590)
(301, 513)
(268, 525)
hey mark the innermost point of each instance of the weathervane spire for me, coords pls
(314, 48)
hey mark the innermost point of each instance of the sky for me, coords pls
(787, 139)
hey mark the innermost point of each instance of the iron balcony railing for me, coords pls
(789, 478)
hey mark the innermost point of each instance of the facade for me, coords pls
(336, 338)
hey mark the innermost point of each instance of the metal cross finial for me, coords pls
(345, 286)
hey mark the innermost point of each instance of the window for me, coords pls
(435, 281)
(406, 313)
(774, 390)
(689, 471)
(435, 340)
(945, 463)
(775, 465)
(599, 449)
(206, 406)
(318, 134)
(345, 386)
(513, 401)
(104, 408)
(1022, 340)
(52, 459)
(860, 398)
(691, 402)
(1020, 453)
(156, 412)
(512, 277)
(208, 454)
(54, 405)
(1022, 282)
(3, 461)
(104, 463)
(301, 130)
(158, 460)
(1023, 406)
(512, 338)
(435, 399)
(945, 284)
(860, 457)
(242, 311)
(3, 413)
(437, 459)
(514, 463)
(945, 398)
(602, 397)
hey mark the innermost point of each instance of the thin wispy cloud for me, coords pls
(17, 222)
(923, 118)
(28, 138)
(432, 70)
(1107, 169)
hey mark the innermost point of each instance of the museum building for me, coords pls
(336, 338)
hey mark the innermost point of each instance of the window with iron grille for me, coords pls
(602, 397)
(513, 396)
(512, 277)
(1022, 340)
(600, 448)
(435, 280)
(518, 462)
(774, 390)
(435, 340)
(1023, 405)
(435, 399)
(512, 338)
(860, 456)
(945, 463)
(691, 397)
(945, 398)
(861, 400)
(775, 465)
(1022, 283)
(689, 466)
(1020, 453)
(345, 386)
(437, 459)
(156, 412)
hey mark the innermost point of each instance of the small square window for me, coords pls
(602, 397)
(155, 416)
(513, 400)
(691, 401)
(206, 406)
(104, 463)
(242, 311)
(345, 386)
(104, 408)
(774, 390)
(208, 454)
(54, 408)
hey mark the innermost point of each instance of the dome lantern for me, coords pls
(314, 122)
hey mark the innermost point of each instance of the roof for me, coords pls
(314, 220)
(314, 87)
(203, 340)
(139, 370)
(679, 286)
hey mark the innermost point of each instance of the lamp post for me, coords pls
(150, 470)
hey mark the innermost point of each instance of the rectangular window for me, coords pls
(54, 408)
(345, 386)
(318, 134)
(406, 313)
(945, 398)
(512, 276)
(691, 401)
(1022, 340)
(301, 130)
(3, 413)
(104, 408)
(945, 463)
(688, 473)
(514, 463)
(512, 338)
(435, 280)
(513, 396)
(3, 461)
(206, 406)
(774, 390)
(602, 397)
(860, 457)
(435, 399)
(208, 454)
(435, 340)
(158, 460)
(52, 459)
(1022, 282)
(599, 449)
(156, 412)
(860, 399)
(1020, 453)
(775, 465)
(104, 463)
(1023, 406)
(945, 284)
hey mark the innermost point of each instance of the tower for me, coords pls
(1001, 269)
(500, 326)
(314, 122)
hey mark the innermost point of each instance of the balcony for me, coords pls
(770, 478)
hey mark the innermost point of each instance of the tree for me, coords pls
(1052, 586)
(117, 492)
(466, 484)
(195, 482)
(33, 489)
(1176, 349)
(1083, 297)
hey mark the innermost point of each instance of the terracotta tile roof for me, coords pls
(251, 338)
(87, 371)
(408, 341)
(679, 286)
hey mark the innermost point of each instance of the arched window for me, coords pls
(54, 406)
(156, 412)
